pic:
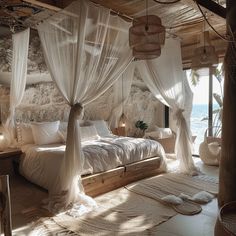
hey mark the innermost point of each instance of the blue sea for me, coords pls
(199, 126)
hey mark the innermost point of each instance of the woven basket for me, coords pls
(210, 150)
(226, 221)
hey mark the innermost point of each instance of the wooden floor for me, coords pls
(27, 196)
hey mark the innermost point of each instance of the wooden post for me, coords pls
(5, 213)
(227, 188)
(210, 106)
(167, 116)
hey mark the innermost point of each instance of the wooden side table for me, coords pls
(120, 131)
(6, 158)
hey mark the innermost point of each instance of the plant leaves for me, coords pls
(194, 77)
(218, 99)
(141, 125)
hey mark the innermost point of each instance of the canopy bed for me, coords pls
(86, 51)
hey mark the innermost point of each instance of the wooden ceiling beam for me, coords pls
(43, 5)
(213, 7)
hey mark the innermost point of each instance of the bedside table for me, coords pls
(120, 131)
(6, 158)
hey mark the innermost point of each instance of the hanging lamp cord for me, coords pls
(146, 26)
(122, 94)
(226, 38)
(204, 29)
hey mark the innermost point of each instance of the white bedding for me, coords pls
(39, 164)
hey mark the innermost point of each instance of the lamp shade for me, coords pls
(122, 121)
(3, 142)
(146, 36)
(205, 55)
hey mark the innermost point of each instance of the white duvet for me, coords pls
(39, 164)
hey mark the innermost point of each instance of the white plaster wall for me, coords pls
(142, 105)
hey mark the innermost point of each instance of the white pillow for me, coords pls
(46, 132)
(63, 126)
(163, 132)
(24, 133)
(63, 130)
(88, 133)
(101, 127)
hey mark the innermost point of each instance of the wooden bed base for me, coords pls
(97, 184)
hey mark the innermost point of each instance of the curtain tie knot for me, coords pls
(76, 110)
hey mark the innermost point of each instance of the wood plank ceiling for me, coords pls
(182, 19)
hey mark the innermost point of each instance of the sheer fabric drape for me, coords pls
(19, 72)
(86, 50)
(121, 91)
(167, 81)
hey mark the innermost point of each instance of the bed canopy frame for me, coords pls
(81, 77)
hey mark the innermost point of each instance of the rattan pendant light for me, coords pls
(204, 55)
(146, 36)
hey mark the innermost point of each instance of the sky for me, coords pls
(200, 91)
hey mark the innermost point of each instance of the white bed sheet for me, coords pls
(39, 164)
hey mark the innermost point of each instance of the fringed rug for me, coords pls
(120, 212)
(123, 212)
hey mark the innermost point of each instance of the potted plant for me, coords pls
(141, 127)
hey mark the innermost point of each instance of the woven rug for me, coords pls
(163, 188)
(120, 212)
(159, 186)
(123, 212)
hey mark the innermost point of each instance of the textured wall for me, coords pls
(36, 63)
(42, 102)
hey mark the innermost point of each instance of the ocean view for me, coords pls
(198, 127)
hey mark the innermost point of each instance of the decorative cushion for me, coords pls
(101, 127)
(163, 132)
(88, 133)
(165, 137)
(152, 135)
(46, 132)
(24, 133)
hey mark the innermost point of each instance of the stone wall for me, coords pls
(43, 102)
(36, 63)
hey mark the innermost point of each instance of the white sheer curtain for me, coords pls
(86, 49)
(121, 91)
(167, 81)
(19, 72)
